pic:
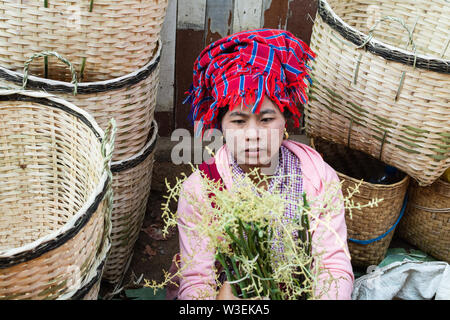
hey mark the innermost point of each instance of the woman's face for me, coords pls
(254, 139)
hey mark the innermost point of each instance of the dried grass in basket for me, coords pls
(381, 81)
(130, 100)
(55, 195)
(368, 224)
(109, 40)
(426, 223)
(131, 184)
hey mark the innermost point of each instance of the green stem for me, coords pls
(45, 67)
(237, 251)
(242, 244)
(269, 286)
(264, 248)
(260, 267)
(306, 222)
(45, 58)
(221, 259)
(83, 64)
(238, 276)
(83, 61)
(252, 234)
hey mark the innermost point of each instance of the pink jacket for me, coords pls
(199, 277)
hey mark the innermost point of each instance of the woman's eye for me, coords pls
(238, 121)
(266, 119)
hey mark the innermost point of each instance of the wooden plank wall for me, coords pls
(191, 25)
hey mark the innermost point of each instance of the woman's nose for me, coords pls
(251, 134)
(252, 131)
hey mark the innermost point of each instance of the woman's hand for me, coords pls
(225, 293)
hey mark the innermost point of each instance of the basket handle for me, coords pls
(394, 19)
(108, 141)
(107, 148)
(370, 36)
(46, 54)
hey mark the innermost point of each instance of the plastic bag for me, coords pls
(406, 280)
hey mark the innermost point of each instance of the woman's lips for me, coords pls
(252, 152)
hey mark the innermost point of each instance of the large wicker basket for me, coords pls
(375, 93)
(130, 100)
(91, 288)
(55, 196)
(131, 184)
(369, 230)
(426, 223)
(111, 40)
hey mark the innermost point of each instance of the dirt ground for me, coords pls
(152, 254)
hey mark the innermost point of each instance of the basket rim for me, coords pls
(122, 165)
(93, 279)
(38, 247)
(58, 86)
(378, 47)
(378, 186)
(88, 286)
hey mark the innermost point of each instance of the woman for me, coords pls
(248, 85)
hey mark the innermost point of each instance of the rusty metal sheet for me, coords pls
(300, 18)
(188, 47)
(219, 19)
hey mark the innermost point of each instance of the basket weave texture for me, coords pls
(93, 292)
(366, 223)
(115, 37)
(375, 91)
(131, 184)
(91, 289)
(426, 223)
(53, 196)
(130, 100)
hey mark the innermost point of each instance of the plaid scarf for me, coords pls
(287, 178)
(245, 66)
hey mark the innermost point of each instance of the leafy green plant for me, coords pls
(262, 254)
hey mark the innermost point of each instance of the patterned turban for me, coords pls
(245, 66)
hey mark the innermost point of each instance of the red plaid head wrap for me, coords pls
(245, 66)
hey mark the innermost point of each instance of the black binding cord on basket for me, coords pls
(405, 201)
(84, 87)
(358, 38)
(84, 290)
(122, 165)
(6, 262)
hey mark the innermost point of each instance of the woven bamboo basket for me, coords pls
(427, 219)
(131, 184)
(55, 196)
(130, 100)
(91, 288)
(109, 40)
(381, 81)
(369, 230)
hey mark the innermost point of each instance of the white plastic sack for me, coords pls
(405, 280)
